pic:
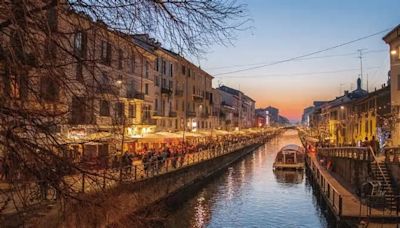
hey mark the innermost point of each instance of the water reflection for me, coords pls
(250, 194)
(289, 176)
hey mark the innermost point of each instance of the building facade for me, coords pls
(103, 90)
(353, 117)
(238, 110)
(393, 40)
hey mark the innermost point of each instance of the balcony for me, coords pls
(197, 98)
(107, 89)
(166, 91)
(172, 114)
(118, 120)
(190, 114)
(132, 94)
(158, 115)
(179, 92)
(149, 121)
(204, 115)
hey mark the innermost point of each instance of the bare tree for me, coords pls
(46, 73)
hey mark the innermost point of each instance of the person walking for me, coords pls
(374, 145)
(366, 142)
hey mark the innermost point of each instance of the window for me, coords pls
(106, 52)
(146, 89)
(164, 83)
(398, 82)
(104, 108)
(164, 67)
(49, 90)
(120, 58)
(157, 64)
(52, 19)
(194, 90)
(170, 85)
(398, 52)
(104, 82)
(183, 70)
(51, 49)
(79, 71)
(132, 111)
(171, 69)
(80, 42)
(119, 110)
(157, 81)
(146, 69)
(79, 114)
(156, 104)
(132, 63)
(163, 106)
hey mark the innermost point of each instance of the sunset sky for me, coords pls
(284, 29)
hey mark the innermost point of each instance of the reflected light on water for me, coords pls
(250, 194)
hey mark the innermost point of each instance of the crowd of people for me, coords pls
(151, 158)
(174, 154)
(373, 143)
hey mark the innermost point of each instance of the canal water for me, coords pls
(251, 194)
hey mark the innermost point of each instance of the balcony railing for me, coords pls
(191, 114)
(197, 98)
(135, 95)
(173, 114)
(204, 115)
(158, 115)
(149, 121)
(107, 88)
(179, 92)
(165, 90)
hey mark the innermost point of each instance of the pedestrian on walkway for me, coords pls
(374, 145)
(366, 142)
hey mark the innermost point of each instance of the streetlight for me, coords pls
(393, 52)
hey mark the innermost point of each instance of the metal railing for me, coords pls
(356, 153)
(144, 170)
(379, 166)
(332, 195)
(27, 193)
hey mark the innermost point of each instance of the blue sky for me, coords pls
(283, 29)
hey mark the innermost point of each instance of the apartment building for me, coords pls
(353, 117)
(393, 40)
(99, 80)
(103, 90)
(238, 110)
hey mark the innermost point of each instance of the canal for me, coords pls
(250, 194)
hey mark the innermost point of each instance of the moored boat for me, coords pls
(290, 157)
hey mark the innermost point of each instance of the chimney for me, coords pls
(346, 92)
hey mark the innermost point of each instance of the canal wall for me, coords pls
(394, 169)
(353, 172)
(118, 206)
